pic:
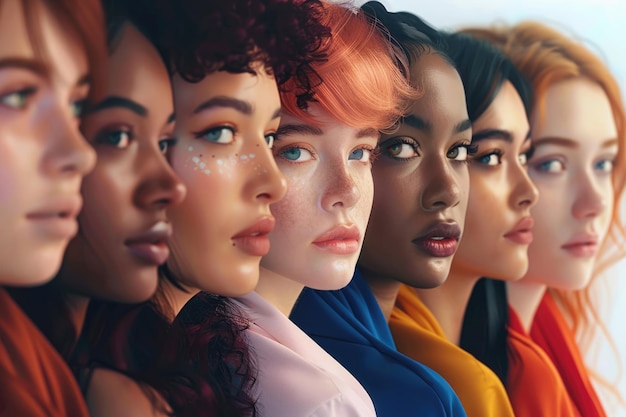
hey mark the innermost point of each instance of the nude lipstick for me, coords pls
(522, 233)
(254, 240)
(341, 240)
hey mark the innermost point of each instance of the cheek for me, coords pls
(297, 203)
(365, 183)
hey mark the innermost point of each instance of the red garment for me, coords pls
(554, 335)
(34, 379)
(534, 385)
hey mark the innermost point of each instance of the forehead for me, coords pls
(441, 85)
(13, 26)
(506, 112)
(576, 109)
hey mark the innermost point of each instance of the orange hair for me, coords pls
(363, 82)
(546, 56)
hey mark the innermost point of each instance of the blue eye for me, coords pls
(220, 134)
(165, 144)
(605, 165)
(361, 154)
(552, 166)
(119, 138)
(295, 154)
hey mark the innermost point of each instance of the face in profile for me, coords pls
(226, 125)
(498, 226)
(421, 183)
(575, 140)
(321, 222)
(124, 227)
(43, 156)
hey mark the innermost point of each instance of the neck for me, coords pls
(524, 298)
(77, 305)
(385, 290)
(449, 301)
(278, 290)
(175, 298)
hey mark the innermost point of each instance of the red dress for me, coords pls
(34, 379)
(554, 335)
(534, 385)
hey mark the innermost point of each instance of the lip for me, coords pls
(341, 239)
(254, 240)
(58, 217)
(582, 246)
(151, 245)
(439, 240)
(522, 232)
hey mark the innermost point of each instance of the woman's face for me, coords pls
(321, 222)
(43, 156)
(225, 127)
(575, 140)
(422, 183)
(123, 226)
(498, 226)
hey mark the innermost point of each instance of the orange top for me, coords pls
(34, 379)
(554, 335)
(418, 335)
(534, 385)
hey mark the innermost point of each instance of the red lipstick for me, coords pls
(341, 240)
(254, 240)
(522, 232)
(440, 240)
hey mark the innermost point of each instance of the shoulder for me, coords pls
(111, 393)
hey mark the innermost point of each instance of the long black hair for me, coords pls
(483, 70)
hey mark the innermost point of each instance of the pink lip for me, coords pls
(583, 246)
(522, 232)
(151, 246)
(58, 216)
(254, 240)
(439, 240)
(342, 239)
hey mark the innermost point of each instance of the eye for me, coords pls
(270, 139)
(17, 99)
(401, 148)
(459, 152)
(552, 166)
(605, 165)
(220, 134)
(295, 154)
(117, 138)
(165, 144)
(361, 154)
(490, 159)
(77, 107)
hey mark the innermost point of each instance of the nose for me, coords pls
(589, 201)
(442, 188)
(524, 194)
(159, 187)
(341, 190)
(67, 151)
(266, 182)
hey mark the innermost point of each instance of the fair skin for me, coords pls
(421, 181)
(43, 156)
(321, 221)
(497, 227)
(225, 127)
(123, 225)
(575, 140)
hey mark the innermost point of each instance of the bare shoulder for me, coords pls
(112, 394)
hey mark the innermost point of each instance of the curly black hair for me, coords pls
(200, 37)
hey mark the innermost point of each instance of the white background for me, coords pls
(602, 24)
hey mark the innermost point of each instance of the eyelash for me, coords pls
(24, 94)
(383, 148)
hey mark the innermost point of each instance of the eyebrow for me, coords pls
(116, 101)
(223, 101)
(302, 129)
(421, 124)
(569, 143)
(37, 67)
(497, 134)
